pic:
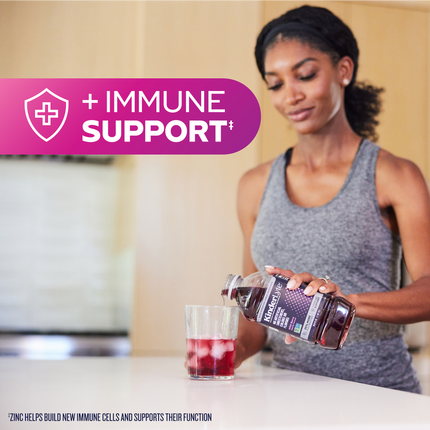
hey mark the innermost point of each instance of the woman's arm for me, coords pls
(401, 185)
(251, 336)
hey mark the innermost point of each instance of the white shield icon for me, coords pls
(46, 113)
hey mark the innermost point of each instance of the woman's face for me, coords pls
(305, 86)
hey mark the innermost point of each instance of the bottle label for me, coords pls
(290, 311)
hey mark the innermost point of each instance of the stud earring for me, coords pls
(345, 82)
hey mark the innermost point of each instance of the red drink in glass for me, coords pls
(211, 358)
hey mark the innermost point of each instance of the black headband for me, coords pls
(281, 28)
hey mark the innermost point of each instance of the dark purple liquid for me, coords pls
(249, 299)
(211, 357)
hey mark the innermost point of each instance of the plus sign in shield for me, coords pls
(46, 113)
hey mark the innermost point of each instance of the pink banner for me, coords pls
(126, 116)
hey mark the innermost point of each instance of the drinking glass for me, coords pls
(211, 341)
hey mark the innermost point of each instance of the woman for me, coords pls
(335, 204)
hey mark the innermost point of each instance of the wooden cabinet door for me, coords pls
(393, 47)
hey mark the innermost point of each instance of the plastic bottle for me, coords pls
(264, 298)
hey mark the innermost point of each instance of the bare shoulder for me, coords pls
(256, 176)
(399, 179)
(391, 164)
(251, 188)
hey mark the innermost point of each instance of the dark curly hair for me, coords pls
(362, 100)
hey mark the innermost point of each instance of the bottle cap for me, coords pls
(230, 288)
(232, 282)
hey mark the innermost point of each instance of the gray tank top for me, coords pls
(347, 240)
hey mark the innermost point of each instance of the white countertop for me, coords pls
(258, 397)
